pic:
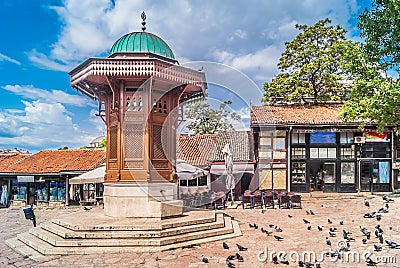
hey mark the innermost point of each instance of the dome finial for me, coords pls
(144, 21)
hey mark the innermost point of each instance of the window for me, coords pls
(298, 138)
(41, 191)
(347, 172)
(279, 143)
(375, 150)
(19, 191)
(57, 191)
(329, 173)
(347, 153)
(298, 172)
(346, 137)
(322, 152)
(298, 153)
(322, 138)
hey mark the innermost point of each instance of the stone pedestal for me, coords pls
(141, 200)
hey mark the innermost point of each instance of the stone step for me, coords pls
(100, 222)
(57, 241)
(24, 249)
(230, 230)
(68, 233)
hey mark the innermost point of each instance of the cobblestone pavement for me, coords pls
(297, 238)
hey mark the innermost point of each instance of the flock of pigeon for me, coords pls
(343, 246)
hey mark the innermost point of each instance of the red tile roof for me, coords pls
(312, 114)
(195, 149)
(241, 145)
(56, 161)
(7, 160)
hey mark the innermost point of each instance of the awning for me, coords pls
(237, 168)
(185, 171)
(93, 176)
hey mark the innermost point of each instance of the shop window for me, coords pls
(88, 192)
(202, 181)
(183, 183)
(298, 172)
(329, 175)
(347, 153)
(19, 191)
(322, 138)
(322, 152)
(298, 138)
(272, 179)
(382, 169)
(298, 153)
(346, 137)
(57, 191)
(375, 150)
(347, 172)
(41, 191)
(192, 182)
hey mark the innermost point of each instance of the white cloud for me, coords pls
(54, 96)
(40, 125)
(6, 58)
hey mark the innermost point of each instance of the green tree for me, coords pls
(310, 67)
(206, 120)
(380, 26)
(103, 143)
(375, 97)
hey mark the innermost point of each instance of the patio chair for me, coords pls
(258, 200)
(219, 200)
(296, 201)
(269, 200)
(247, 198)
(285, 201)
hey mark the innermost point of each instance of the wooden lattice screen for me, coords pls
(158, 141)
(133, 141)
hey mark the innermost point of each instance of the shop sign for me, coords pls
(26, 178)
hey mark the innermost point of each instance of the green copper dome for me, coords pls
(142, 42)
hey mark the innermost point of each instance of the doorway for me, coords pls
(366, 174)
(316, 176)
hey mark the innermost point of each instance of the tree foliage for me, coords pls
(310, 67)
(103, 143)
(380, 26)
(375, 97)
(206, 120)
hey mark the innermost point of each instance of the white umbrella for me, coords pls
(230, 180)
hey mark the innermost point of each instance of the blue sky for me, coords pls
(43, 40)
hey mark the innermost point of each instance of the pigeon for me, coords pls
(370, 262)
(309, 227)
(308, 264)
(267, 233)
(271, 225)
(275, 259)
(204, 259)
(380, 238)
(225, 245)
(385, 209)
(341, 223)
(379, 229)
(311, 212)
(332, 234)
(306, 221)
(333, 229)
(229, 263)
(282, 259)
(328, 241)
(290, 216)
(255, 226)
(387, 199)
(278, 229)
(251, 225)
(241, 248)
(317, 264)
(278, 238)
(319, 228)
(231, 257)
(377, 247)
(86, 208)
(364, 240)
(378, 216)
(308, 213)
(366, 202)
(329, 221)
(301, 264)
(239, 257)
(369, 215)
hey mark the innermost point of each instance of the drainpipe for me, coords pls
(289, 158)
